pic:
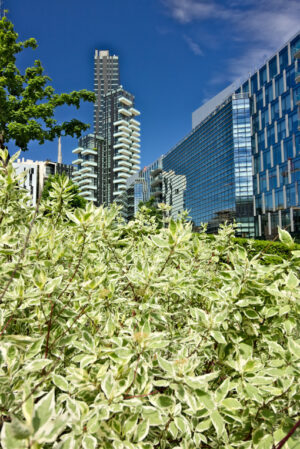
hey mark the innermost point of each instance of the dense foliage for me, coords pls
(271, 251)
(27, 101)
(55, 182)
(140, 339)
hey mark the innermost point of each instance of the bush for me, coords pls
(157, 339)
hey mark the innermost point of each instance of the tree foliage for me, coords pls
(158, 339)
(55, 182)
(27, 101)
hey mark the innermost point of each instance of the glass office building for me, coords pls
(274, 94)
(209, 172)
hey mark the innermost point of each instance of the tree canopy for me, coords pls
(145, 339)
(27, 101)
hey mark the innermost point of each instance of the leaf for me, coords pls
(292, 281)
(89, 442)
(8, 440)
(218, 336)
(27, 405)
(162, 401)
(203, 425)
(294, 348)
(142, 430)
(107, 385)
(218, 422)
(130, 424)
(206, 400)
(37, 365)
(19, 429)
(160, 242)
(153, 416)
(231, 404)
(44, 410)
(285, 238)
(60, 382)
(166, 366)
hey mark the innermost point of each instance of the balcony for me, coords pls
(121, 145)
(136, 158)
(91, 187)
(89, 164)
(120, 169)
(125, 129)
(125, 164)
(134, 111)
(125, 100)
(125, 112)
(135, 167)
(135, 139)
(134, 122)
(77, 161)
(85, 170)
(89, 151)
(156, 171)
(83, 181)
(121, 133)
(124, 174)
(121, 122)
(124, 140)
(135, 134)
(91, 175)
(120, 157)
(124, 152)
(156, 192)
(134, 128)
(77, 150)
(119, 181)
(135, 145)
(156, 181)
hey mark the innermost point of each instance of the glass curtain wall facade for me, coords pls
(209, 172)
(274, 93)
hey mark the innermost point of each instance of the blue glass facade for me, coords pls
(209, 172)
(274, 93)
(242, 159)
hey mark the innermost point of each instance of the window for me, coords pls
(273, 67)
(283, 59)
(263, 75)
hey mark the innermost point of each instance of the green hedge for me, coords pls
(271, 252)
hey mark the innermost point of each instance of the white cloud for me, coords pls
(262, 25)
(193, 45)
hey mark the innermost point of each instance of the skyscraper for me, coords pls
(106, 78)
(104, 168)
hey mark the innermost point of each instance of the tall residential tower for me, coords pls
(106, 78)
(111, 155)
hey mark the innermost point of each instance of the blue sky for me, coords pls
(174, 54)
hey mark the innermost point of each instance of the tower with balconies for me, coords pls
(115, 152)
(87, 175)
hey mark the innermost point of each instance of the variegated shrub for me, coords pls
(125, 336)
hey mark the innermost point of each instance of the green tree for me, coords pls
(76, 200)
(27, 101)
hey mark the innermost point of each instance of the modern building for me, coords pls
(116, 152)
(241, 161)
(87, 174)
(209, 172)
(106, 78)
(38, 173)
